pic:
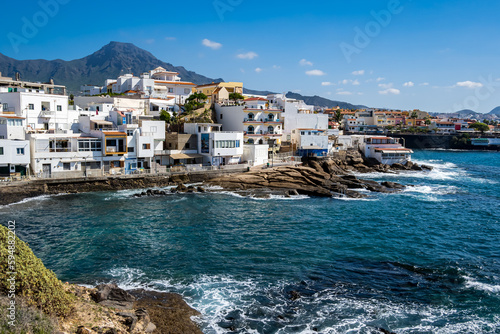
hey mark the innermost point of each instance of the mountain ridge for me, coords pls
(109, 62)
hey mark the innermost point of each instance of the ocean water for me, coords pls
(426, 260)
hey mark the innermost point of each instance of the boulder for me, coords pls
(398, 166)
(111, 295)
(129, 320)
(392, 185)
(427, 167)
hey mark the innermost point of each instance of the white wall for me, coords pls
(257, 154)
(10, 155)
(232, 117)
(305, 121)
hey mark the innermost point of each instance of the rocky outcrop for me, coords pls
(305, 180)
(112, 296)
(109, 309)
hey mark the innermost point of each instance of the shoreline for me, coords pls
(314, 177)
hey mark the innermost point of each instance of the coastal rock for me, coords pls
(129, 320)
(427, 167)
(398, 166)
(303, 180)
(111, 295)
(168, 312)
(392, 185)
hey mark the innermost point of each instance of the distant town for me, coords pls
(156, 123)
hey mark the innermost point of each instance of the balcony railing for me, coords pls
(46, 113)
(253, 120)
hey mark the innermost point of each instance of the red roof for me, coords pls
(11, 117)
(114, 133)
(256, 99)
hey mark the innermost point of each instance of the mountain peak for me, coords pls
(109, 62)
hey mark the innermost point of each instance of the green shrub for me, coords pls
(37, 285)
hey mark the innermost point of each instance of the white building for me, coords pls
(65, 155)
(217, 147)
(14, 157)
(88, 90)
(310, 142)
(255, 155)
(42, 111)
(259, 120)
(158, 83)
(386, 150)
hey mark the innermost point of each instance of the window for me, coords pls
(187, 90)
(146, 146)
(130, 149)
(20, 151)
(220, 116)
(1, 150)
(89, 145)
(130, 133)
(31, 106)
(59, 108)
(170, 90)
(66, 166)
(188, 145)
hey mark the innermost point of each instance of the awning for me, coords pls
(405, 151)
(98, 121)
(161, 105)
(161, 87)
(312, 148)
(185, 156)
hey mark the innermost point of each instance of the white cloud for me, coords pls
(380, 79)
(409, 84)
(469, 84)
(210, 44)
(249, 55)
(385, 86)
(344, 92)
(360, 72)
(424, 84)
(356, 83)
(170, 38)
(305, 62)
(150, 41)
(388, 91)
(315, 73)
(276, 67)
(258, 70)
(327, 83)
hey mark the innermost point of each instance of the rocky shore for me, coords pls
(323, 178)
(108, 309)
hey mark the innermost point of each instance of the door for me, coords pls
(46, 171)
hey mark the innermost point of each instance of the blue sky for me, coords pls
(435, 56)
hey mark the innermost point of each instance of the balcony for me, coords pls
(47, 113)
(252, 120)
(273, 120)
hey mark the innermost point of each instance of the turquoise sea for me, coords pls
(426, 260)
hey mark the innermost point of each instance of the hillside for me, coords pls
(322, 102)
(108, 63)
